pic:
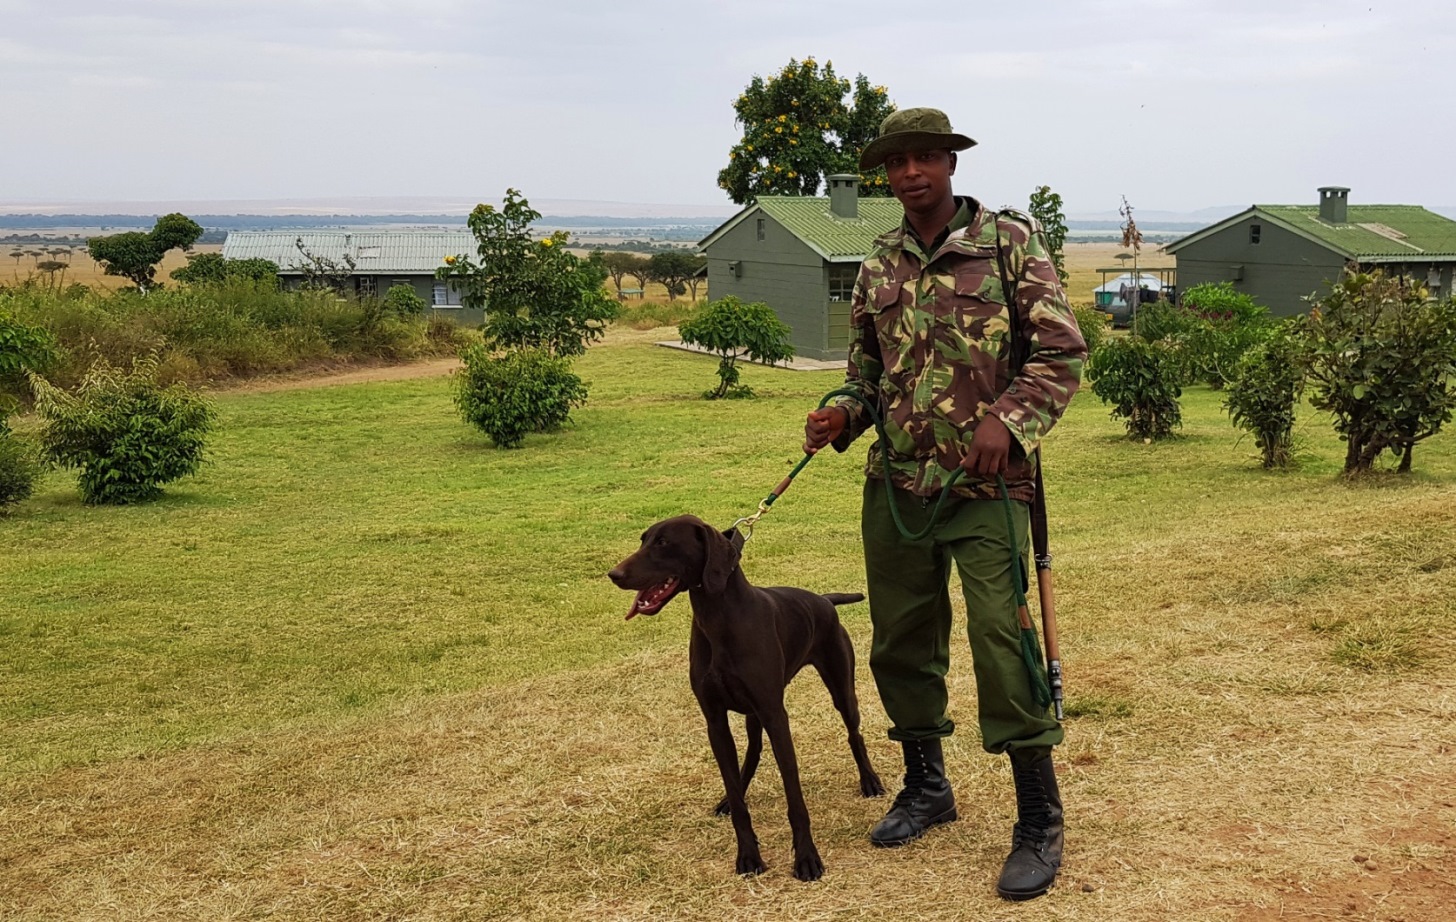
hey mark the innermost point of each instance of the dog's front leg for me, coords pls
(807, 863)
(720, 737)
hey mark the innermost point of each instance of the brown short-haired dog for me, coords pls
(747, 643)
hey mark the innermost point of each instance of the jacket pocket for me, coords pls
(883, 308)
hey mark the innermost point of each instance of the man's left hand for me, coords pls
(990, 448)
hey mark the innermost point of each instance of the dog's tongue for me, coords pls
(649, 600)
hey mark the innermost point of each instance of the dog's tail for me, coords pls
(844, 598)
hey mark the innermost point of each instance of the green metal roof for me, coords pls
(1371, 233)
(809, 218)
(1375, 231)
(410, 252)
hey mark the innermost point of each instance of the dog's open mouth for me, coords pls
(650, 600)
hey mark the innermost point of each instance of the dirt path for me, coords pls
(430, 368)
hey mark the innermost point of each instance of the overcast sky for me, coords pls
(1177, 104)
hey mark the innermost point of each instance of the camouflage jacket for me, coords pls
(931, 348)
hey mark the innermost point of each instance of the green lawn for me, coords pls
(355, 566)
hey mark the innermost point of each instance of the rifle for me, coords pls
(1041, 554)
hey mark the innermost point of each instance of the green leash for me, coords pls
(1030, 649)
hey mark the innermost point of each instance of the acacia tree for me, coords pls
(619, 264)
(134, 255)
(695, 278)
(798, 129)
(1046, 207)
(640, 268)
(673, 269)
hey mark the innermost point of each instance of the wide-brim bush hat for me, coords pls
(912, 129)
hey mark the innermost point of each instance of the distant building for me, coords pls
(1279, 254)
(800, 256)
(382, 259)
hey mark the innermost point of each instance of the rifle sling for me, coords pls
(1018, 360)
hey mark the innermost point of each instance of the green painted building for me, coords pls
(800, 256)
(1282, 254)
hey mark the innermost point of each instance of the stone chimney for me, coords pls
(844, 195)
(1333, 203)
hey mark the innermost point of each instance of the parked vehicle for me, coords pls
(1117, 298)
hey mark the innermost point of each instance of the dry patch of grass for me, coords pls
(86, 271)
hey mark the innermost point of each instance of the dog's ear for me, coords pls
(720, 559)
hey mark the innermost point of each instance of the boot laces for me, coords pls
(916, 773)
(1033, 812)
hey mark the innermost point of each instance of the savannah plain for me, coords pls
(364, 666)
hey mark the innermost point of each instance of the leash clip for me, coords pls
(749, 521)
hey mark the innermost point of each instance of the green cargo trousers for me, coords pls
(909, 598)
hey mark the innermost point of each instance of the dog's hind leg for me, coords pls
(725, 753)
(836, 668)
(753, 728)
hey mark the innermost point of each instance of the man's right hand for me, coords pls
(823, 427)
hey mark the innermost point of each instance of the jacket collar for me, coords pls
(977, 238)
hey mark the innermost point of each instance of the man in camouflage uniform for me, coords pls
(931, 350)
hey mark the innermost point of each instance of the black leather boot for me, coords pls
(1036, 839)
(925, 801)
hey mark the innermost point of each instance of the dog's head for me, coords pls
(677, 554)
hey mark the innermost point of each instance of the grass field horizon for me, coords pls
(365, 666)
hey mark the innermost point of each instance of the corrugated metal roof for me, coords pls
(374, 252)
(809, 219)
(1375, 231)
(1371, 233)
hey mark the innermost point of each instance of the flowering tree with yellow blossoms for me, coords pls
(798, 128)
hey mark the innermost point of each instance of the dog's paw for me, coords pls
(752, 863)
(870, 786)
(808, 865)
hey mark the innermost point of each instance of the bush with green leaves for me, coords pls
(1093, 324)
(401, 301)
(1263, 393)
(19, 466)
(732, 329)
(212, 269)
(508, 395)
(1140, 380)
(128, 435)
(1381, 357)
(23, 348)
(1224, 324)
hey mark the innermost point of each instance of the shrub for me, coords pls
(212, 269)
(19, 466)
(236, 327)
(128, 435)
(1161, 320)
(1139, 379)
(1381, 358)
(1262, 396)
(1224, 324)
(1093, 324)
(22, 348)
(731, 329)
(509, 395)
(402, 302)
